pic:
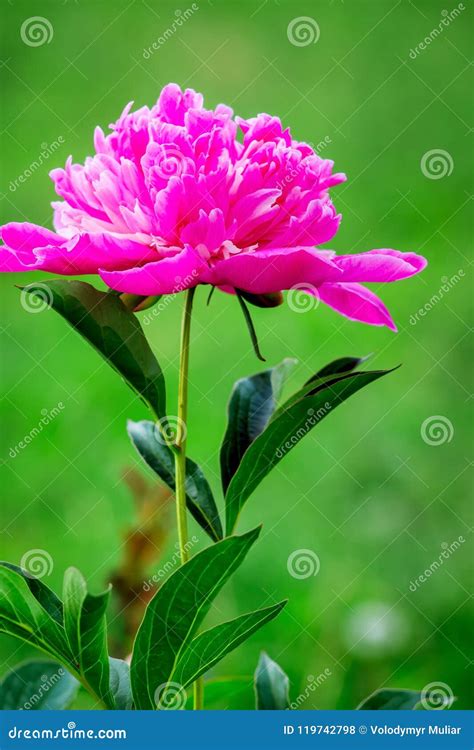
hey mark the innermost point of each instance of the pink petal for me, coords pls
(25, 236)
(30, 247)
(268, 271)
(166, 276)
(86, 253)
(380, 265)
(356, 303)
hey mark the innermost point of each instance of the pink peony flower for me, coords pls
(174, 197)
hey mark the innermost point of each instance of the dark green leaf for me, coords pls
(389, 699)
(38, 685)
(212, 645)
(22, 616)
(176, 612)
(160, 458)
(112, 330)
(271, 685)
(86, 630)
(288, 426)
(252, 402)
(338, 366)
(47, 598)
(251, 327)
(120, 684)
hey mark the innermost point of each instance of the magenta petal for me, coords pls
(356, 303)
(87, 253)
(10, 262)
(29, 247)
(380, 265)
(166, 276)
(267, 271)
(24, 236)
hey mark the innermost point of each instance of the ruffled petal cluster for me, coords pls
(178, 195)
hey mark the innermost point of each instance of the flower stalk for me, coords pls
(180, 440)
(180, 453)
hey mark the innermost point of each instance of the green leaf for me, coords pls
(176, 612)
(338, 366)
(324, 378)
(288, 426)
(160, 458)
(42, 593)
(271, 685)
(389, 699)
(252, 402)
(120, 683)
(86, 630)
(38, 685)
(24, 617)
(113, 331)
(29, 611)
(212, 645)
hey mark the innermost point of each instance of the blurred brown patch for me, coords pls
(143, 545)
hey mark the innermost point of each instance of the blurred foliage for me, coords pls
(364, 491)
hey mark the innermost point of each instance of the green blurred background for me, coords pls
(364, 491)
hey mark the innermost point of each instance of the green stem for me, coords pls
(180, 442)
(198, 688)
(180, 453)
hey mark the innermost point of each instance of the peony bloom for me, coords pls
(178, 195)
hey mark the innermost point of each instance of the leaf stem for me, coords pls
(180, 453)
